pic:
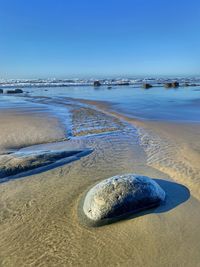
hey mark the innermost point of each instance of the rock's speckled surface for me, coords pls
(119, 195)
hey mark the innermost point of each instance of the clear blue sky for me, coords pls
(78, 38)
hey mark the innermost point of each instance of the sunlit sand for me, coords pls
(40, 216)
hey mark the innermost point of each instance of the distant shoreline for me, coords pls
(23, 83)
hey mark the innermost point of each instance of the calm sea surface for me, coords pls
(182, 104)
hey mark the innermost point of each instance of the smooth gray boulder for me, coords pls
(121, 195)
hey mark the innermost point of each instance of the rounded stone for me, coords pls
(97, 83)
(121, 195)
(15, 91)
(147, 86)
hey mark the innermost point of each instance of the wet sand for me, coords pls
(171, 147)
(174, 148)
(23, 127)
(39, 218)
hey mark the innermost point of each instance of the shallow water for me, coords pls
(171, 126)
(39, 219)
(157, 103)
(40, 224)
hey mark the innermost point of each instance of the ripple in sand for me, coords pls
(167, 156)
(90, 121)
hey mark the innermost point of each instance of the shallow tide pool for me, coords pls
(157, 103)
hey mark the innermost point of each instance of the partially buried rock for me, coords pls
(171, 84)
(175, 84)
(118, 196)
(146, 86)
(122, 83)
(168, 85)
(15, 91)
(1, 91)
(97, 83)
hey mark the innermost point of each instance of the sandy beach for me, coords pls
(40, 222)
(99, 133)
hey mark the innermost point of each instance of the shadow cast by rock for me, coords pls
(176, 194)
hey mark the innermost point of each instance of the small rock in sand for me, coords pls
(1, 91)
(97, 83)
(15, 91)
(146, 85)
(171, 85)
(121, 195)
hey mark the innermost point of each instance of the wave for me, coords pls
(134, 81)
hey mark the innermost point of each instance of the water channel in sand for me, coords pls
(40, 223)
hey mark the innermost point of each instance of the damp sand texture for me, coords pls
(40, 226)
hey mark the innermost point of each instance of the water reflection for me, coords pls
(156, 103)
